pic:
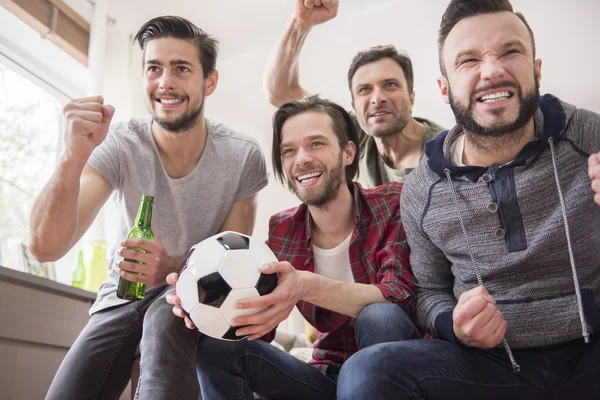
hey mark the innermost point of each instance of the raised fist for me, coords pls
(315, 12)
(87, 123)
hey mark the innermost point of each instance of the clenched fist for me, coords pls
(315, 12)
(594, 173)
(476, 320)
(87, 123)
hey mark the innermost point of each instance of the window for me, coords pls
(30, 125)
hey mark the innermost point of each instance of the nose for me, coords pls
(377, 97)
(167, 81)
(492, 69)
(303, 157)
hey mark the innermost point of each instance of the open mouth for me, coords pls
(494, 97)
(309, 178)
(379, 114)
(169, 101)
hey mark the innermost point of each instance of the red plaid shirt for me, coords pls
(378, 256)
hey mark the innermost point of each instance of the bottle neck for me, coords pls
(80, 258)
(144, 215)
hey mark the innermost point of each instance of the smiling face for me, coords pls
(492, 80)
(381, 100)
(313, 162)
(174, 83)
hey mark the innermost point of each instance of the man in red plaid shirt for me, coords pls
(343, 262)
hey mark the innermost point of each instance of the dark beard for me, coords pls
(331, 187)
(529, 104)
(183, 123)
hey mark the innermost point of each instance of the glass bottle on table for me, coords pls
(78, 276)
(142, 229)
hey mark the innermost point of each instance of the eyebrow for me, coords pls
(510, 43)
(172, 62)
(307, 139)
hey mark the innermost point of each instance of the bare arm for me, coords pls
(242, 216)
(281, 80)
(70, 201)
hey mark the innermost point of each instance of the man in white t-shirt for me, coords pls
(204, 178)
(343, 261)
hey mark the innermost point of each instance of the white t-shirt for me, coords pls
(457, 149)
(186, 210)
(334, 263)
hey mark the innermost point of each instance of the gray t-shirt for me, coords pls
(185, 210)
(373, 171)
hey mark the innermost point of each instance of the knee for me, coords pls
(382, 313)
(159, 320)
(359, 374)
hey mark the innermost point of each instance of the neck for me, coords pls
(180, 151)
(402, 150)
(334, 221)
(485, 151)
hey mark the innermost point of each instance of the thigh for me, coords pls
(269, 371)
(435, 369)
(577, 367)
(98, 364)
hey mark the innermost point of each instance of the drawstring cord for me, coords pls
(584, 328)
(516, 367)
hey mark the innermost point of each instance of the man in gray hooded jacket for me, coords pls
(502, 226)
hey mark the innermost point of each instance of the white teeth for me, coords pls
(490, 98)
(378, 114)
(171, 101)
(308, 176)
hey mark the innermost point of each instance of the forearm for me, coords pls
(347, 298)
(281, 79)
(53, 222)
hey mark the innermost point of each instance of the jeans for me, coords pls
(435, 369)
(234, 370)
(98, 365)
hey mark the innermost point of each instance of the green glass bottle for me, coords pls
(78, 277)
(134, 290)
(96, 264)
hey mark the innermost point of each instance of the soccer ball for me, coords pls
(218, 272)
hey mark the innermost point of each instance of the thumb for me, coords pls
(274, 267)
(107, 113)
(156, 238)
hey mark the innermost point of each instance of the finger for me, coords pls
(310, 4)
(477, 291)
(189, 323)
(317, 3)
(255, 331)
(81, 125)
(144, 258)
(499, 333)
(172, 279)
(173, 299)
(593, 161)
(597, 199)
(90, 99)
(107, 113)
(131, 277)
(478, 327)
(258, 318)
(258, 302)
(156, 238)
(86, 115)
(596, 185)
(487, 336)
(131, 267)
(275, 267)
(149, 246)
(465, 312)
(259, 335)
(594, 171)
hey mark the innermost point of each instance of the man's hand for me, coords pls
(594, 173)
(87, 123)
(174, 300)
(277, 305)
(315, 12)
(476, 320)
(155, 262)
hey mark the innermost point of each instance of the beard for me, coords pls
(185, 121)
(328, 190)
(392, 127)
(528, 105)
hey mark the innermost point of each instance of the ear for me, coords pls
(412, 100)
(537, 67)
(349, 153)
(211, 83)
(443, 85)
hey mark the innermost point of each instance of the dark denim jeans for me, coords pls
(435, 369)
(98, 365)
(235, 370)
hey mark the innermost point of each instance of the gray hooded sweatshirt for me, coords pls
(529, 231)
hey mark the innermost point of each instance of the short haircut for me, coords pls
(180, 28)
(342, 125)
(377, 53)
(458, 10)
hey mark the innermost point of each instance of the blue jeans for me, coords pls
(98, 365)
(235, 370)
(435, 369)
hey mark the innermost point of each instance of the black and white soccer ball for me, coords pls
(218, 272)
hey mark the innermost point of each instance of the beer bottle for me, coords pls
(78, 277)
(134, 290)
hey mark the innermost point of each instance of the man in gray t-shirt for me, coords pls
(204, 178)
(381, 85)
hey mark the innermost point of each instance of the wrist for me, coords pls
(69, 162)
(305, 285)
(300, 27)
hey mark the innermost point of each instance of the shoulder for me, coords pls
(383, 199)
(283, 218)
(227, 136)
(133, 128)
(432, 129)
